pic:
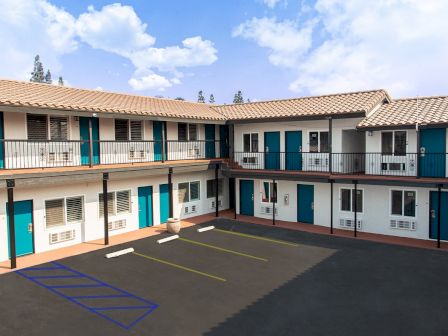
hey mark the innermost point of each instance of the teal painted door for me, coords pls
(144, 207)
(432, 152)
(164, 203)
(23, 224)
(305, 203)
(224, 141)
(2, 143)
(433, 226)
(158, 129)
(272, 150)
(293, 148)
(247, 197)
(210, 141)
(85, 137)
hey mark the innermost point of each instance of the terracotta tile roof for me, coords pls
(403, 112)
(26, 94)
(344, 103)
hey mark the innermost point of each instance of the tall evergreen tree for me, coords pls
(179, 98)
(60, 81)
(238, 98)
(48, 79)
(201, 98)
(211, 100)
(38, 73)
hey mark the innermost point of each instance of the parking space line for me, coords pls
(179, 266)
(257, 237)
(222, 249)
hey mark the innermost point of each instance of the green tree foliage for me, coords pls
(48, 79)
(201, 98)
(37, 75)
(179, 98)
(60, 81)
(211, 100)
(238, 98)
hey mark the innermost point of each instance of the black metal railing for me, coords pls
(408, 164)
(23, 154)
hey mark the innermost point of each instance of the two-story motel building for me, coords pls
(332, 160)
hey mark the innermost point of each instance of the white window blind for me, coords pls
(121, 129)
(37, 127)
(123, 201)
(54, 212)
(136, 130)
(110, 203)
(74, 209)
(192, 132)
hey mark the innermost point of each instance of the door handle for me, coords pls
(433, 213)
(30, 227)
(312, 205)
(252, 197)
(267, 149)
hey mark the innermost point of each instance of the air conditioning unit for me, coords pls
(318, 162)
(60, 157)
(137, 154)
(250, 160)
(213, 205)
(191, 209)
(348, 223)
(403, 224)
(117, 225)
(267, 210)
(193, 152)
(60, 237)
(393, 166)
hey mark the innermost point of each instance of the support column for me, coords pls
(355, 226)
(331, 206)
(163, 142)
(90, 143)
(439, 194)
(274, 200)
(105, 209)
(235, 194)
(10, 184)
(217, 190)
(330, 145)
(170, 191)
(417, 161)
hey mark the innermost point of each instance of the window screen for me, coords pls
(58, 128)
(123, 201)
(193, 132)
(37, 127)
(182, 132)
(110, 204)
(346, 200)
(136, 130)
(54, 212)
(324, 142)
(358, 200)
(314, 142)
(211, 189)
(194, 191)
(246, 143)
(397, 202)
(121, 129)
(386, 143)
(74, 209)
(400, 143)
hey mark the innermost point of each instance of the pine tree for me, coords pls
(201, 98)
(238, 98)
(61, 81)
(38, 73)
(211, 99)
(179, 98)
(48, 79)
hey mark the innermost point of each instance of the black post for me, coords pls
(163, 142)
(217, 190)
(355, 204)
(274, 199)
(439, 189)
(417, 160)
(331, 206)
(330, 144)
(106, 209)
(90, 143)
(10, 184)
(170, 191)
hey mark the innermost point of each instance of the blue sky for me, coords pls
(269, 49)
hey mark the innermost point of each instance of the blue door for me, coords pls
(272, 150)
(144, 207)
(2, 143)
(224, 141)
(247, 197)
(164, 203)
(85, 138)
(305, 203)
(23, 224)
(158, 127)
(433, 225)
(210, 141)
(432, 152)
(293, 148)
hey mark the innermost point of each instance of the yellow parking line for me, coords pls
(179, 266)
(256, 237)
(223, 249)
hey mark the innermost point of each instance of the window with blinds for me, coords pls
(74, 209)
(58, 128)
(110, 204)
(37, 127)
(192, 132)
(123, 201)
(182, 132)
(211, 189)
(54, 213)
(136, 130)
(121, 129)
(184, 194)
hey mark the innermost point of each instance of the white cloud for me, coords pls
(400, 45)
(30, 27)
(271, 3)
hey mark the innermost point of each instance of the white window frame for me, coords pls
(250, 139)
(403, 190)
(393, 142)
(64, 210)
(270, 192)
(351, 201)
(189, 191)
(69, 121)
(129, 129)
(318, 140)
(188, 131)
(115, 214)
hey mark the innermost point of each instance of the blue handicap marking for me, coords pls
(125, 315)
